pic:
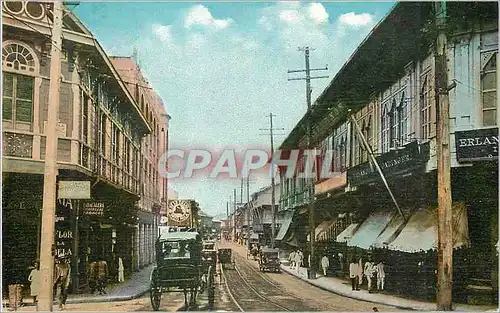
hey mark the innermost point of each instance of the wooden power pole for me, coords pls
(445, 230)
(273, 183)
(50, 173)
(312, 213)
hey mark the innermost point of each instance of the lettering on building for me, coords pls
(477, 145)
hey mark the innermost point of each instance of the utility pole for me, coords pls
(50, 173)
(241, 191)
(227, 208)
(445, 230)
(312, 223)
(273, 196)
(248, 210)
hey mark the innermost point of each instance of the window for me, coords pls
(393, 139)
(403, 119)
(367, 132)
(85, 117)
(425, 109)
(18, 57)
(385, 128)
(489, 91)
(103, 134)
(113, 142)
(17, 98)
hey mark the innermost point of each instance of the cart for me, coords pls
(253, 248)
(225, 256)
(269, 260)
(180, 268)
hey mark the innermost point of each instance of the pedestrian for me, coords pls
(325, 263)
(380, 275)
(368, 271)
(291, 257)
(62, 278)
(34, 279)
(102, 276)
(121, 269)
(341, 261)
(353, 274)
(298, 261)
(360, 272)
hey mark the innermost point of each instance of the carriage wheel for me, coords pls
(211, 287)
(154, 292)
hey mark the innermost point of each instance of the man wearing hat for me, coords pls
(62, 277)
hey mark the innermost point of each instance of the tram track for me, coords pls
(258, 293)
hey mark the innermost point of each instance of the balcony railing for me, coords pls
(17, 145)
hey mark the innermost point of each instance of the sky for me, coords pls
(221, 68)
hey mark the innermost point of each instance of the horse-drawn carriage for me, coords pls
(180, 268)
(225, 256)
(269, 260)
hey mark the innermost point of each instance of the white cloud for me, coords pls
(200, 15)
(356, 20)
(163, 32)
(317, 13)
(290, 16)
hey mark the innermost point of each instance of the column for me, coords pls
(137, 247)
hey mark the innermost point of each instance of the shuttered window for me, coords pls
(17, 98)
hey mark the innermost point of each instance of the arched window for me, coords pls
(20, 65)
(425, 109)
(393, 139)
(19, 57)
(403, 119)
(385, 128)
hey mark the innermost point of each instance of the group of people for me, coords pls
(296, 259)
(358, 270)
(61, 281)
(97, 278)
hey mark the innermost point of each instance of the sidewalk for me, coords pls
(340, 287)
(136, 286)
(343, 288)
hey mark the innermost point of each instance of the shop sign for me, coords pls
(73, 189)
(477, 145)
(63, 233)
(93, 208)
(411, 158)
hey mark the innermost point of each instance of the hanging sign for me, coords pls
(73, 189)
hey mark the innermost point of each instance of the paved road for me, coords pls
(288, 291)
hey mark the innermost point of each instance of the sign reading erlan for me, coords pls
(477, 145)
(74, 189)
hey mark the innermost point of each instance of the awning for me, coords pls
(390, 232)
(291, 239)
(323, 235)
(420, 233)
(321, 227)
(371, 228)
(347, 234)
(285, 225)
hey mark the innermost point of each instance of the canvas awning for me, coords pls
(285, 225)
(370, 229)
(321, 227)
(347, 233)
(390, 232)
(420, 233)
(324, 233)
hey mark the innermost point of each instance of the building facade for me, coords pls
(391, 94)
(101, 134)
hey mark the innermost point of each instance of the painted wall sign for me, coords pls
(63, 233)
(477, 145)
(412, 157)
(73, 189)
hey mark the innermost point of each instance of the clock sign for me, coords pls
(179, 210)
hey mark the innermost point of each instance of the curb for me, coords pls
(351, 296)
(106, 298)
